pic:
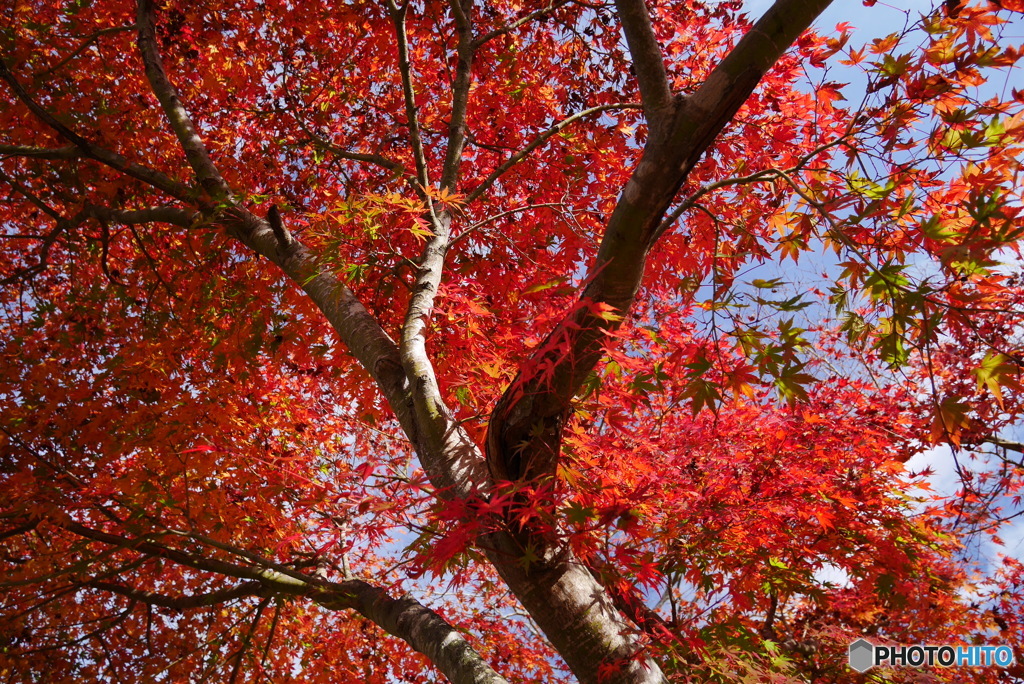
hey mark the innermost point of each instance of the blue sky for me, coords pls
(870, 22)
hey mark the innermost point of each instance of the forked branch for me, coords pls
(524, 435)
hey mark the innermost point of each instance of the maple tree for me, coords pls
(367, 342)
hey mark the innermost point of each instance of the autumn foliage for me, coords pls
(376, 342)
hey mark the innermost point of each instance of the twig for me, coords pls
(540, 140)
(89, 40)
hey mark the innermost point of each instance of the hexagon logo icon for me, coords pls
(862, 655)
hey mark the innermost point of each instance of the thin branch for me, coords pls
(398, 15)
(89, 40)
(540, 140)
(551, 7)
(375, 159)
(105, 252)
(171, 215)
(111, 622)
(270, 635)
(762, 175)
(31, 197)
(19, 530)
(234, 551)
(181, 123)
(358, 329)
(631, 604)
(289, 583)
(50, 153)
(326, 145)
(212, 598)
(73, 585)
(691, 200)
(768, 628)
(247, 639)
(153, 264)
(217, 637)
(63, 224)
(500, 215)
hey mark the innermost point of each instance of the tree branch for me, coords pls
(19, 530)
(404, 617)
(405, 68)
(212, 598)
(359, 331)
(500, 215)
(115, 161)
(51, 153)
(1004, 444)
(247, 640)
(277, 579)
(372, 347)
(173, 215)
(417, 625)
(729, 85)
(462, 10)
(648, 62)
(375, 159)
(63, 224)
(181, 123)
(170, 215)
(762, 175)
(31, 197)
(448, 455)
